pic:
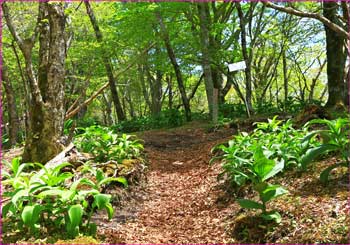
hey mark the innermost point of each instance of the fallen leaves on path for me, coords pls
(181, 194)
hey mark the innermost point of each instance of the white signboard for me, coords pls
(237, 66)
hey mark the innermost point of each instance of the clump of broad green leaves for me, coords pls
(275, 146)
(259, 172)
(52, 198)
(254, 158)
(105, 145)
(280, 141)
(335, 138)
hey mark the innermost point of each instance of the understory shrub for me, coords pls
(291, 106)
(166, 119)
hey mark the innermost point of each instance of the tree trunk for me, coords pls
(131, 105)
(143, 85)
(107, 64)
(172, 57)
(204, 21)
(11, 106)
(108, 113)
(285, 75)
(336, 56)
(47, 108)
(170, 92)
(314, 81)
(156, 90)
(248, 75)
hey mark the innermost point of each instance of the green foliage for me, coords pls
(335, 138)
(67, 125)
(254, 158)
(274, 146)
(292, 106)
(5, 140)
(232, 110)
(105, 145)
(165, 119)
(280, 141)
(258, 172)
(75, 214)
(52, 198)
(264, 107)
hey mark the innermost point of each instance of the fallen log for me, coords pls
(69, 154)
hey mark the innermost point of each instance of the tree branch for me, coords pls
(73, 112)
(334, 27)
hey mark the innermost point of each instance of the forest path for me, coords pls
(179, 202)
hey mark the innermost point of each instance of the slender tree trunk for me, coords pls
(25, 88)
(107, 64)
(131, 105)
(11, 106)
(248, 75)
(172, 57)
(225, 91)
(108, 103)
(336, 57)
(203, 11)
(143, 85)
(285, 75)
(157, 94)
(170, 92)
(314, 81)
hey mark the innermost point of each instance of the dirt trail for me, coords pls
(179, 202)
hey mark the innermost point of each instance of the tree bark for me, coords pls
(46, 107)
(143, 86)
(107, 64)
(108, 111)
(285, 75)
(248, 74)
(336, 57)
(194, 90)
(336, 35)
(204, 22)
(314, 81)
(178, 73)
(170, 92)
(11, 106)
(157, 94)
(43, 141)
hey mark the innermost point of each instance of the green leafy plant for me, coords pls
(259, 172)
(105, 145)
(49, 197)
(100, 179)
(67, 126)
(335, 138)
(30, 216)
(165, 119)
(280, 140)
